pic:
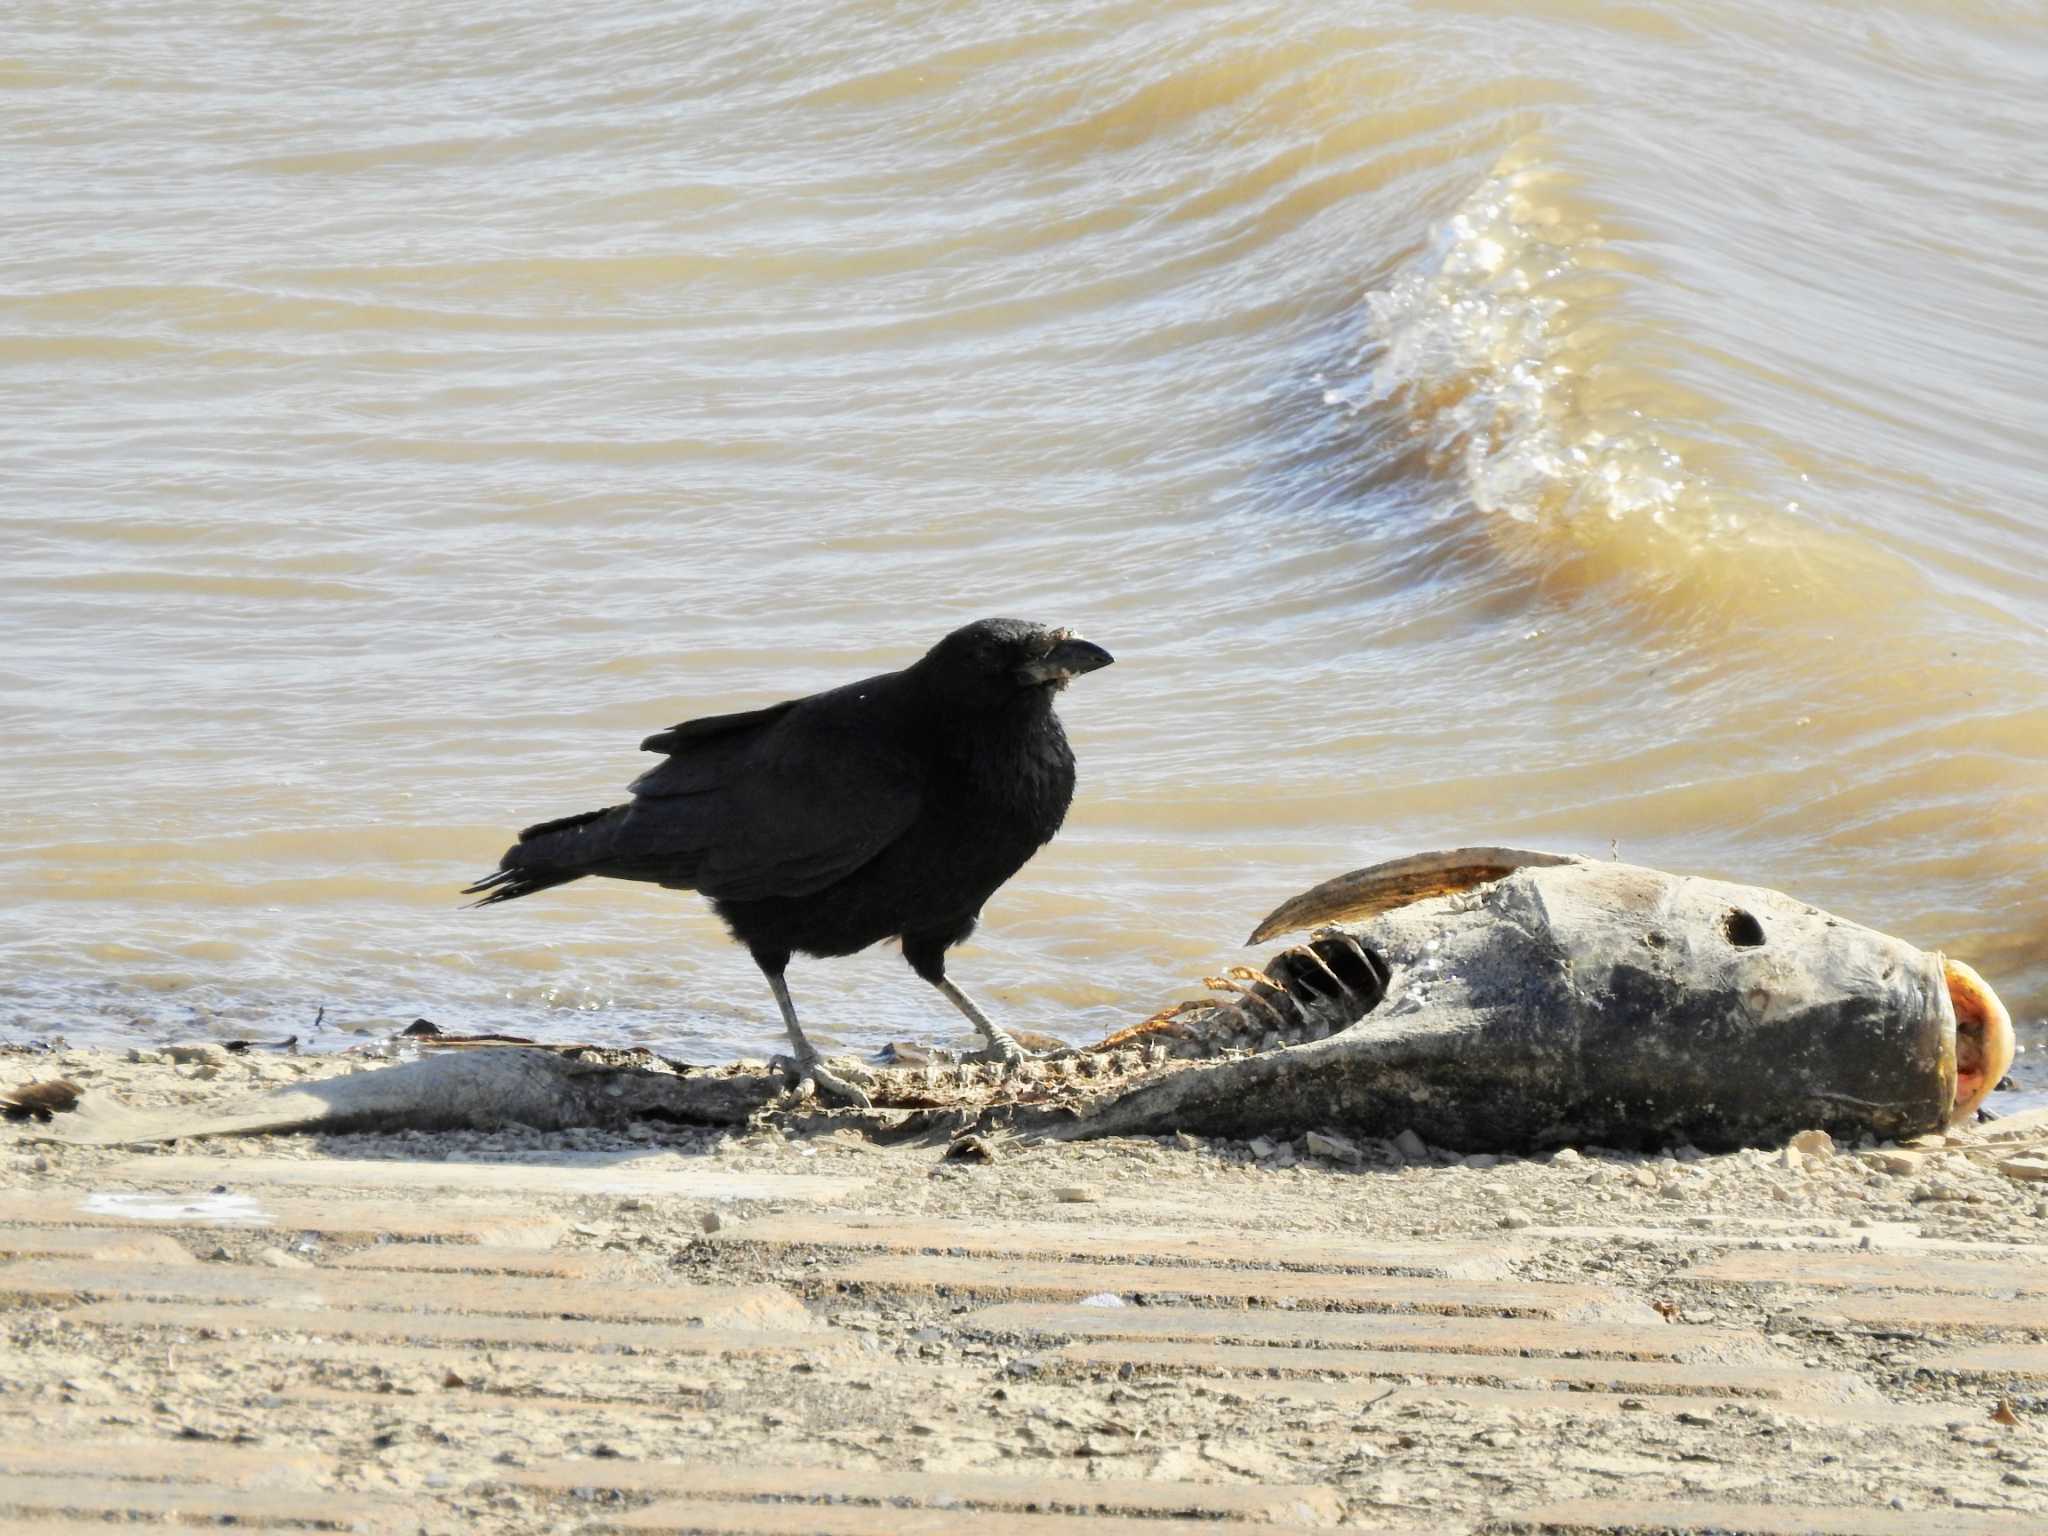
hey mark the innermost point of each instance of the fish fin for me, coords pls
(1382, 887)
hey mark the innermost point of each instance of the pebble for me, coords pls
(1323, 1144)
(1938, 1191)
(1513, 1218)
(1814, 1143)
(1410, 1146)
(1076, 1194)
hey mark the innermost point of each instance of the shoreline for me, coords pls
(1416, 1343)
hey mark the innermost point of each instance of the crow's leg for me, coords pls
(803, 1048)
(1001, 1045)
(807, 1063)
(925, 951)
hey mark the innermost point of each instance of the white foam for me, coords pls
(1481, 346)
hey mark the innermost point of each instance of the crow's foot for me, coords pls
(1001, 1051)
(827, 1084)
(1005, 1050)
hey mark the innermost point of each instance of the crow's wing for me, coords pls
(776, 802)
(698, 738)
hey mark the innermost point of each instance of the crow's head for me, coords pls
(998, 661)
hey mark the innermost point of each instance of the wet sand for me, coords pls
(683, 1330)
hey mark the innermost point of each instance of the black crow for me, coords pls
(889, 808)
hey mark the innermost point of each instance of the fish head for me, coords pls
(1786, 1009)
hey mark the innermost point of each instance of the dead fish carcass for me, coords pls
(1498, 999)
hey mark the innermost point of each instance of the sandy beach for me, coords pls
(715, 1331)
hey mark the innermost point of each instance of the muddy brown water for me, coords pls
(1573, 425)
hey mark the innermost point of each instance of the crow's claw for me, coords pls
(1001, 1051)
(828, 1085)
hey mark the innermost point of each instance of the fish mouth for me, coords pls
(1984, 1037)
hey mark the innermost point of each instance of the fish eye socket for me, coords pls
(1741, 929)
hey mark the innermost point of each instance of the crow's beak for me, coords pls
(1069, 657)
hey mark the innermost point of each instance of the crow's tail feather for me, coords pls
(547, 854)
(508, 884)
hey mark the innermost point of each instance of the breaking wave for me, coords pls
(1508, 359)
